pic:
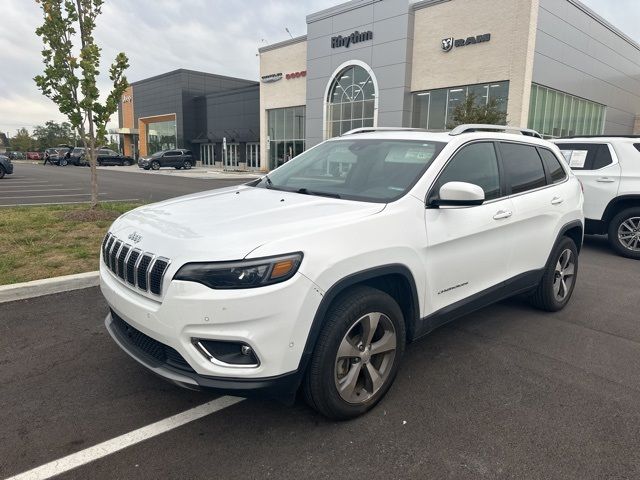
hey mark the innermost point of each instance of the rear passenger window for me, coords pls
(586, 156)
(476, 163)
(552, 165)
(602, 157)
(523, 167)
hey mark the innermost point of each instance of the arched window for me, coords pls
(351, 101)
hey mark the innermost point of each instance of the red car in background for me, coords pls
(35, 155)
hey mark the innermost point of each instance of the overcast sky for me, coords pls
(217, 36)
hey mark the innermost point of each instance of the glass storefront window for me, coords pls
(433, 109)
(286, 127)
(161, 136)
(557, 114)
(351, 102)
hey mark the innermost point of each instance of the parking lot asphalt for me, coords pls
(506, 392)
(37, 184)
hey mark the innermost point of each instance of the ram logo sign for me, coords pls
(449, 43)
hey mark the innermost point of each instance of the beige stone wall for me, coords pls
(507, 56)
(283, 93)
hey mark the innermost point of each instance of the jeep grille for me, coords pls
(142, 270)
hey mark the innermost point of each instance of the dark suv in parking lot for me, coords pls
(176, 158)
(6, 167)
(105, 156)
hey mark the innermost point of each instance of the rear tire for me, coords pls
(624, 233)
(186, 165)
(559, 279)
(126, 163)
(345, 377)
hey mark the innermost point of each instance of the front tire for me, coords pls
(64, 162)
(559, 279)
(126, 163)
(155, 165)
(624, 233)
(357, 354)
(2, 172)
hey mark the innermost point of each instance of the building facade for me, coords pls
(214, 116)
(552, 65)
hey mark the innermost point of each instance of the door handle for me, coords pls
(556, 201)
(502, 214)
(605, 180)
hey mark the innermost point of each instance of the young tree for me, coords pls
(22, 141)
(71, 60)
(473, 111)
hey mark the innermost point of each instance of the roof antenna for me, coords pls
(287, 30)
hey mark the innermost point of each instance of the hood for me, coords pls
(229, 223)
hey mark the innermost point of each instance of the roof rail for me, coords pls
(479, 127)
(382, 129)
(597, 136)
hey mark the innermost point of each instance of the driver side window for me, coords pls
(476, 163)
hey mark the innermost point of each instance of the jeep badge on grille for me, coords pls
(135, 237)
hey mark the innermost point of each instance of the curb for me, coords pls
(48, 286)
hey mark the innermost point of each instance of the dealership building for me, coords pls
(551, 65)
(214, 116)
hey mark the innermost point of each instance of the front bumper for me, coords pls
(282, 386)
(8, 168)
(274, 321)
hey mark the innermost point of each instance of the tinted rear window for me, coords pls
(552, 165)
(586, 156)
(523, 167)
(637, 145)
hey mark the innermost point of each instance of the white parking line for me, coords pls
(64, 203)
(50, 196)
(43, 190)
(103, 449)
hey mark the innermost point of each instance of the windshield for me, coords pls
(366, 170)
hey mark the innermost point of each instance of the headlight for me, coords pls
(242, 274)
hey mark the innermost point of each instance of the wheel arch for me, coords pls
(575, 231)
(618, 204)
(395, 279)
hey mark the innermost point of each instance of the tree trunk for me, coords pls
(92, 162)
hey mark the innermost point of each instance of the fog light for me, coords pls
(227, 354)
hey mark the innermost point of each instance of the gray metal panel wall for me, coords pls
(388, 54)
(577, 54)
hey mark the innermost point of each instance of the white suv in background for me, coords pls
(609, 169)
(320, 272)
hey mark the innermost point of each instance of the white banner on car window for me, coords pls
(575, 158)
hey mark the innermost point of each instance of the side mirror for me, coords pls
(458, 194)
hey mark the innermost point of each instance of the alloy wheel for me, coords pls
(365, 357)
(629, 234)
(564, 275)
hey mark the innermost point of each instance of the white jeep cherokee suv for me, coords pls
(609, 169)
(320, 273)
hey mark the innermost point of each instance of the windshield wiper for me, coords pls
(268, 181)
(306, 191)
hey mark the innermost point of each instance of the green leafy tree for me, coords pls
(52, 134)
(22, 141)
(71, 70)
(471, 110)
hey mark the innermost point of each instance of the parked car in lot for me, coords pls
(78, 158)
(6, 167)
(319, 273)
(109, 157)
(58, 155)
(15, 155)
(609, 169)
(176, 158)
(35, 155)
